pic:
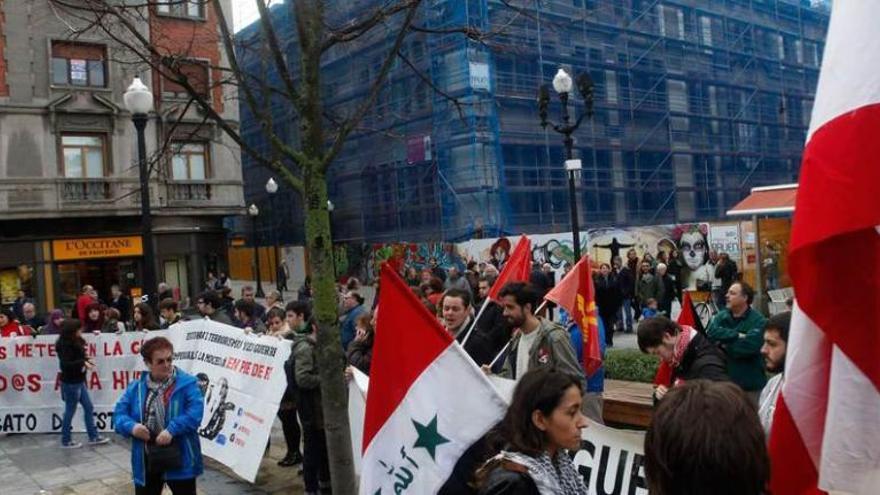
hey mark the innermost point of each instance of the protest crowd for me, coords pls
(508, 321)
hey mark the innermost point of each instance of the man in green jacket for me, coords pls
(739, 331)
(539, 342)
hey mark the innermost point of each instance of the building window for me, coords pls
(79, 64)
(182, 8)
(189, 161)
(83, 155)
(678, 95)
(706, 30)
(196, 74)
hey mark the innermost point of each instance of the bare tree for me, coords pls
(302, 165)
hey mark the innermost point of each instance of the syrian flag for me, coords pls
(826, 428)
(427, 401)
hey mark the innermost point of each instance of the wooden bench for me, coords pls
(627, 403)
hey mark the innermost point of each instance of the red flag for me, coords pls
(517, 269)
(687, 318)
(576, 294)
(824, 434)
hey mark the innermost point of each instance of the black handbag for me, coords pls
(162, 458)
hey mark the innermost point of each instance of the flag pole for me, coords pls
(474, 323)
(504, 349)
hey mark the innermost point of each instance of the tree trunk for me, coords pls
(334, 393)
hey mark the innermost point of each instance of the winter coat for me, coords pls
(702, 360)
(648, 287)
(608, 296)
(494, 327)
(308, 383)
(626, 282)
(220, 316)
(503, 481)
(348, 324)
(552, 349)
(183, 417)
(360, 354)
(667, 293)
(726, 272)
(72, 359)
(123, 305)
(478, 346)
(741, 340)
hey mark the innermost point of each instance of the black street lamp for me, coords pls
(562, 83)
(139, 101)
(272, 188)
(253, 211)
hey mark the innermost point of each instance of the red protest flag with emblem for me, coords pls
(575, 293)
(825, 433)
(517, 269)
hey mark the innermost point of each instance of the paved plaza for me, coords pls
(35, 464)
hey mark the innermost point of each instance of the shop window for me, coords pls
(182, 8)
(83, 155)
(14, 279)
(196, 74)
(189, 161)
(79, 64)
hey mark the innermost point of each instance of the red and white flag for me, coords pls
(427, 401)
(826, 428)
(517, 269)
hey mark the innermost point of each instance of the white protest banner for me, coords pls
(357, 406)
(30, 386)
(242, 377)
(612, 461)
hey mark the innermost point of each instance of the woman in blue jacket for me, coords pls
(164, 407)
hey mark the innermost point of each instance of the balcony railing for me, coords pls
(78, 190)
(189, 191)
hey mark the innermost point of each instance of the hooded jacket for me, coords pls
(184, 415)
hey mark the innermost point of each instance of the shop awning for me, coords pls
(769, 200)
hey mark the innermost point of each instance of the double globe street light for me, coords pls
(562, 84)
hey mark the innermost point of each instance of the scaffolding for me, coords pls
(695, 103)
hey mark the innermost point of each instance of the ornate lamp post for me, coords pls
(253, 211)
(562, 84)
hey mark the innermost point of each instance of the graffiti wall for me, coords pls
(691, 240)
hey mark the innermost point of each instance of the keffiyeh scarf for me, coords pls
(559, 478)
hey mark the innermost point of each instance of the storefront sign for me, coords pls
(97, 247)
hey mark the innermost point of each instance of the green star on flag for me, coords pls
(429, 437)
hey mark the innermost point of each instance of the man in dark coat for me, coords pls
(690, 355)
(667, 290)
(492, 323)
(608, 299)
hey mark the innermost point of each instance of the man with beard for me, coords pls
(492, 324)
(773, 350)
(539, 342)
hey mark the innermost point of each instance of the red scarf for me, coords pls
(681, 346)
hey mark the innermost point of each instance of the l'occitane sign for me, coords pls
(97, 247)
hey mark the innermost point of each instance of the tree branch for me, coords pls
(369, 100)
